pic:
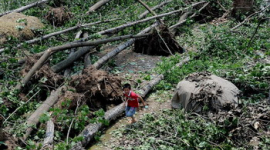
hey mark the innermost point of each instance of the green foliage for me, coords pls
(225, 54)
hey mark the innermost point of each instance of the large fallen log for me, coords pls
(97, 5)
(25, 7)
(120, 48)
(65, 63)
(38, 39)
(52, 50)
(90, 130)
(116, 29)
(44, 107)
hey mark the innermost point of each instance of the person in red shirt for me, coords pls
(131, 102)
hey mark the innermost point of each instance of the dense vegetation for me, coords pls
(240, 55)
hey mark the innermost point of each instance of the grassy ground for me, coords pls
(214, 48)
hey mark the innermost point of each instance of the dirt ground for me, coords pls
(131, 65)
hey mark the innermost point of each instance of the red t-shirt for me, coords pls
(132, 99)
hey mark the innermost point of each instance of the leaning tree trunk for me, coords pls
(97, 5)
(44, 107)
(25, 7)
(90, 130)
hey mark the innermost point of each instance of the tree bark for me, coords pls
(120, 48)
(25, 7)
(151, 11)
(97, 5)
(44, 107)
(48, 141)
(68, 70)
(156, 7)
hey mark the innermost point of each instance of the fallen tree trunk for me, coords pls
(35, 40)
(44, 107)
(67, 71)
(97, 5)
(90, 130)
(48, 141)
(25, 7)
(119, 48)
(116, 29)
(52, 50)
(156, 7)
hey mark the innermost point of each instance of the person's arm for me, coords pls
(142, 100)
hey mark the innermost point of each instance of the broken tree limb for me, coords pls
(120, 48)
(35, 40)
(90, 130)
(87, 60)
(241, 23)
(25, 7)
(150, 10)
(156, 7)
(97, 5)
(116, 29)
(52, 50)
(44, 107)
(48, 141)
(193, 15)
(67, 71)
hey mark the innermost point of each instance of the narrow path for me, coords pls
(133, 66)
(156, 101)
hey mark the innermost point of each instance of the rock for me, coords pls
(203, 91)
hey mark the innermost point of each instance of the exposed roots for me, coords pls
(44, 75)
(160, 42)
(58, 16)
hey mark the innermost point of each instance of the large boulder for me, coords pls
(203, 91)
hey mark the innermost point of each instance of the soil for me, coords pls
(19, 26)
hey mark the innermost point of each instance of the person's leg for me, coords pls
(131, 113)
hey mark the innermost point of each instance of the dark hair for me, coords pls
(127, 86)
